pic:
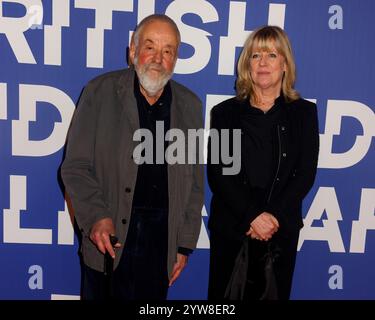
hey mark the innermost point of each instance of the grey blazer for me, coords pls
(99, 172)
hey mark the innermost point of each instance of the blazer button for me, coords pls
(128, 190)
(282, 128)
(124, 221)
(284, 155)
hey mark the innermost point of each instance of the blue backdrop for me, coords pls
(49, 50)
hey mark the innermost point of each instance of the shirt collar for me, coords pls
(279, 101)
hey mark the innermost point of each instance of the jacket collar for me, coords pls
(125, 92)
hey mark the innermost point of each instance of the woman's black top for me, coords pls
(259, 141)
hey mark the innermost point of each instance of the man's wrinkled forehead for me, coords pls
(157, 25)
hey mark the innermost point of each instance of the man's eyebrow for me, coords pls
(149, 41)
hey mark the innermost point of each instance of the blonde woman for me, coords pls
(279, 153)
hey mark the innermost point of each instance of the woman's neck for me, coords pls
(264, 100)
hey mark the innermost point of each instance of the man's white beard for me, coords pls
(152, 85)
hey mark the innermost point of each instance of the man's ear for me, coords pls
(132, 52)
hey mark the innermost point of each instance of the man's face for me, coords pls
(155, 56)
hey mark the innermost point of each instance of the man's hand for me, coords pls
(100, 233)
(263, 227)
(178, 267)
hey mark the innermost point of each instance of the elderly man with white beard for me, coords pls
(154, 210)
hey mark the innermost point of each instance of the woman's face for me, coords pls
(267, 67)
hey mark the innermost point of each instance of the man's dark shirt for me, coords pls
(151, 189)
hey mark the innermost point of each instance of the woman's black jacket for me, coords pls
(234, 204)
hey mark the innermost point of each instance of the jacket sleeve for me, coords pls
(192, 218)
(301, 180)
(230, 189)
(77, 170)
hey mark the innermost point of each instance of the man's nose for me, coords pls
(158, 57)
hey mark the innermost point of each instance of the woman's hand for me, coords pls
(263, 227)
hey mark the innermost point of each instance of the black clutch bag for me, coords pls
(254, 276)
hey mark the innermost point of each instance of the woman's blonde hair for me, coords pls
(262, 39)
